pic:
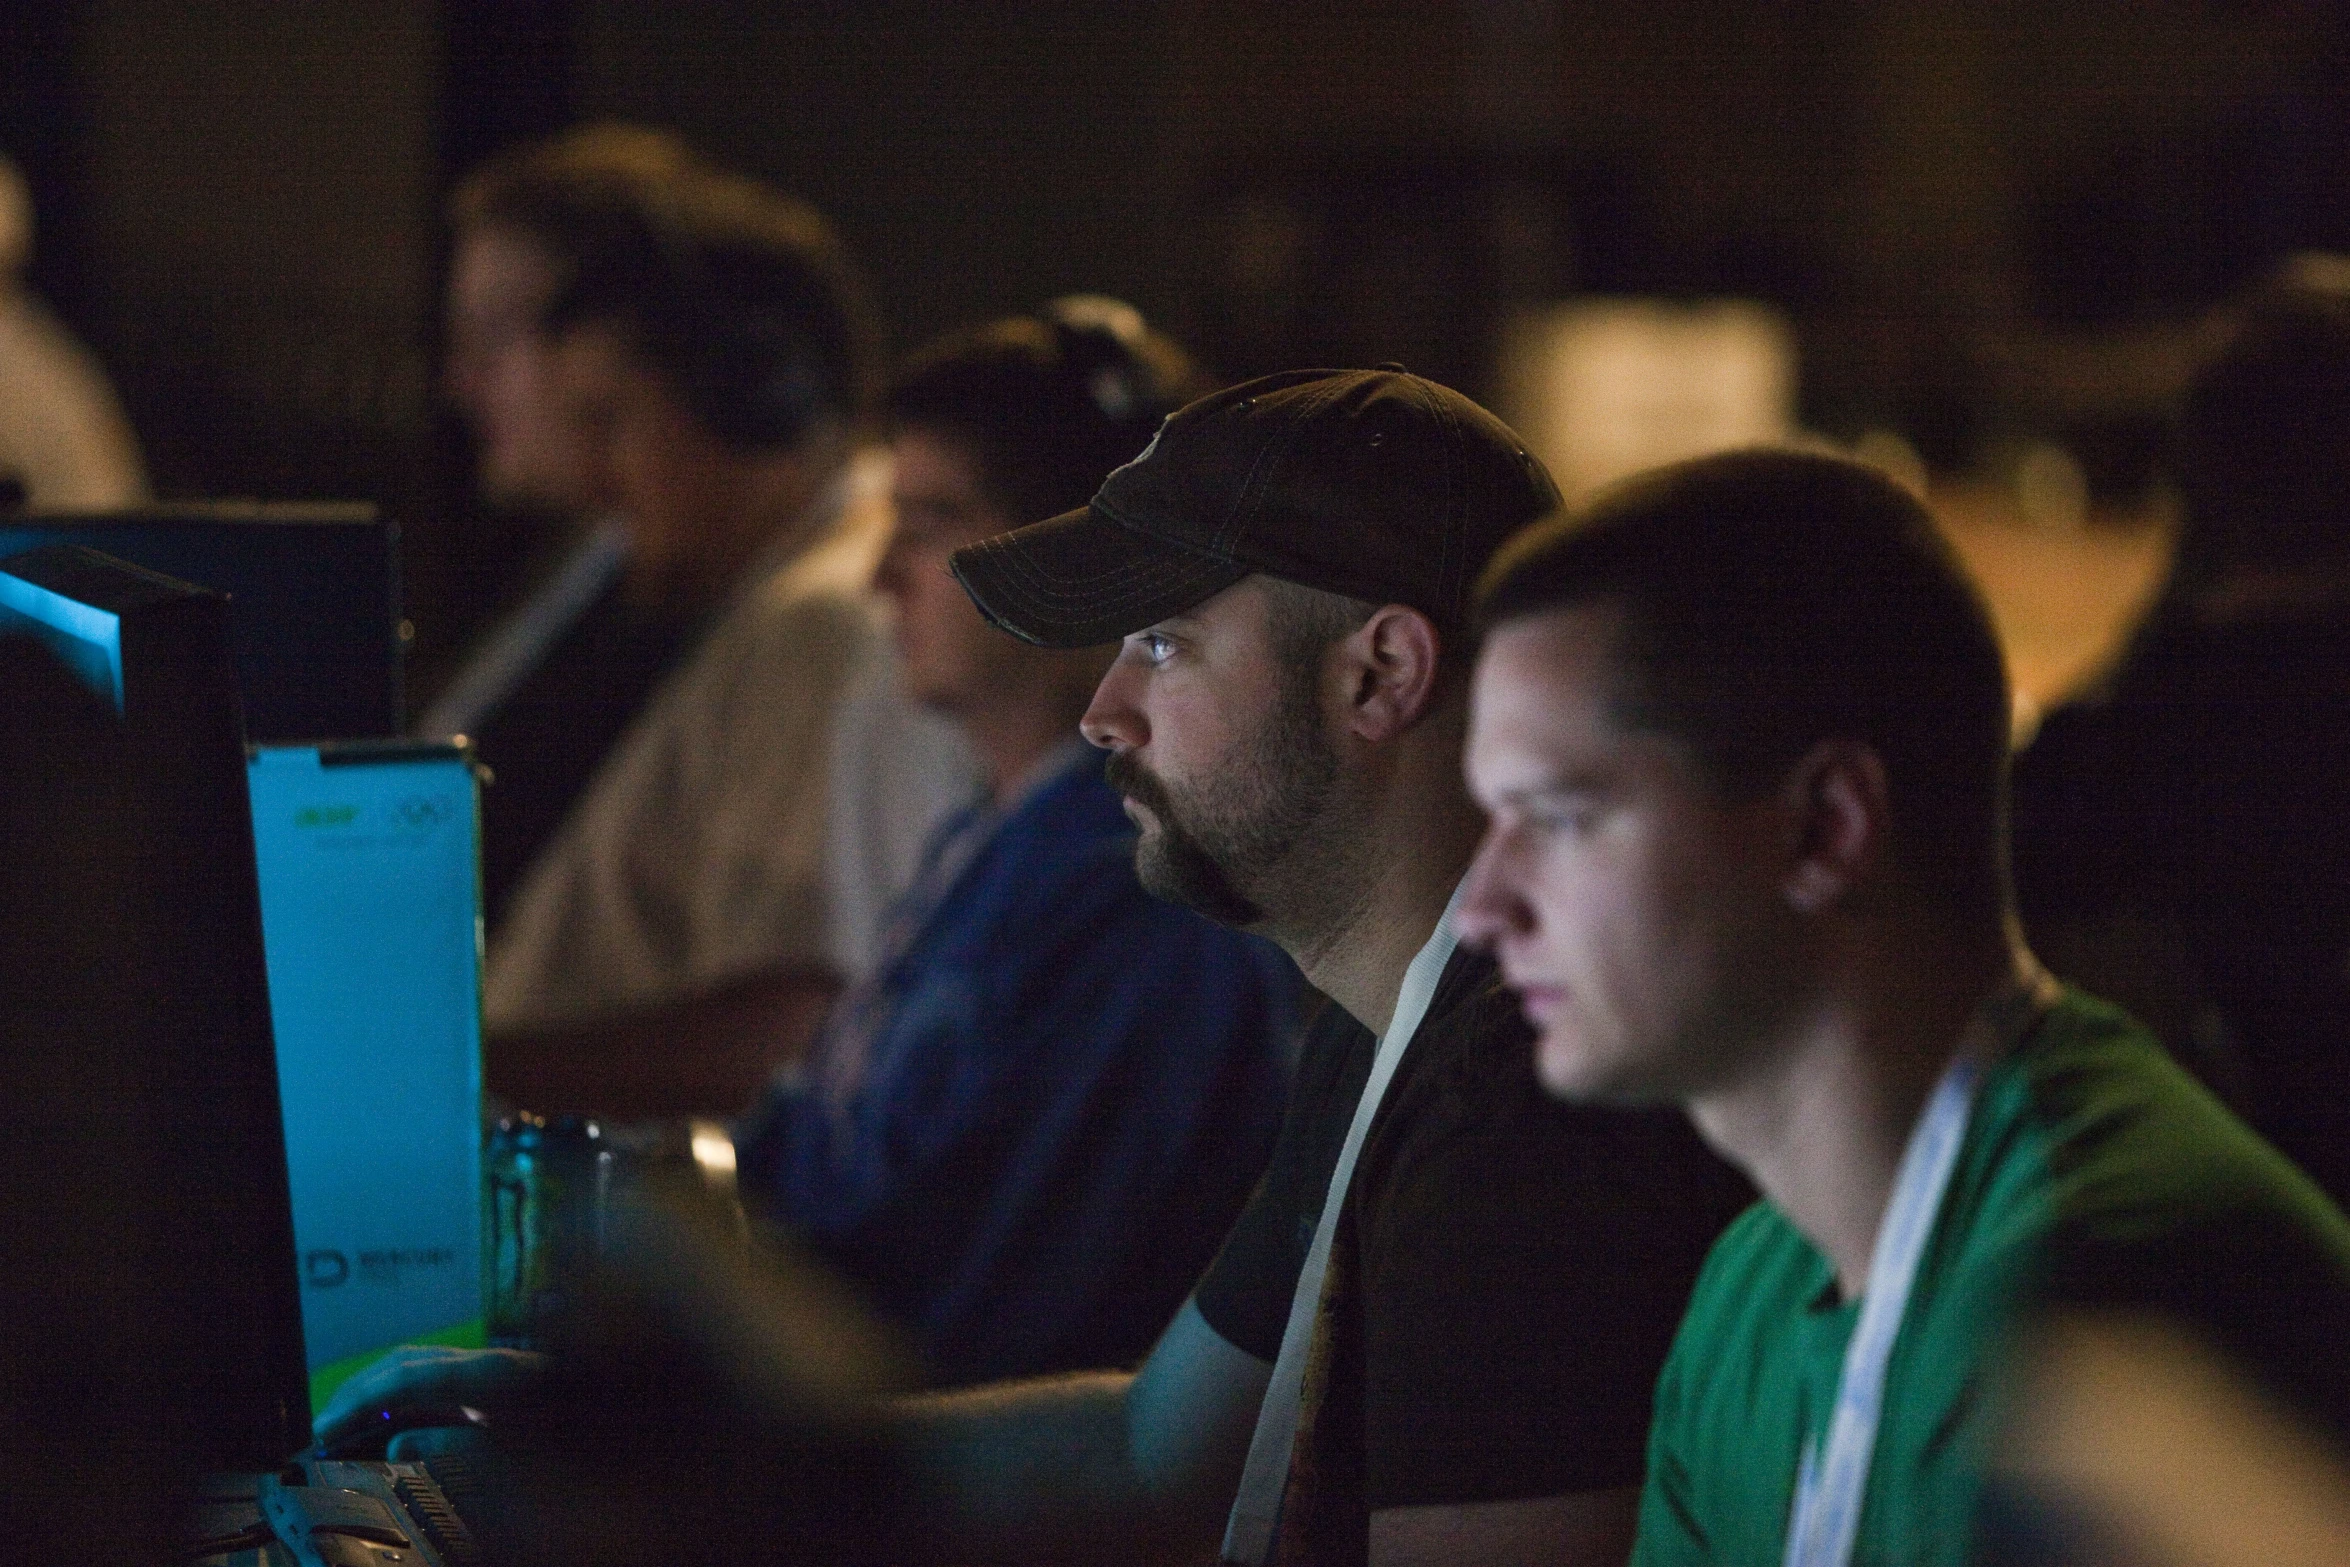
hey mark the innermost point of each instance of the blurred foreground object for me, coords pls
(1604, 388)
(707, 1400)
(63, 435)
(92, 1460)
(2134, 1442)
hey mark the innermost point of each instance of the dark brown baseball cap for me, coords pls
(1377, 484)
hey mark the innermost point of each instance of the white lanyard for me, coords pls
(1256, 1510)
(523, 640)
(1829, 1490)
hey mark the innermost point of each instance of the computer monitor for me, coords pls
(371, 911)
(316, 631)
(160, 1040)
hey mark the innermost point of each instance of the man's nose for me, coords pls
(1490, 906)
(1112, 720)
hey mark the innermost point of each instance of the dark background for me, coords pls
(238, 201)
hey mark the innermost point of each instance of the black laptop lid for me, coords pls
(317, 590)
(134, 1019)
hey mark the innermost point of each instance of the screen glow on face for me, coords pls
(88, 639)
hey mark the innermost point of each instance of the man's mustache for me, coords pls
(1138, 783)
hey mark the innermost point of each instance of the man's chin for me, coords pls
(1570, 1071)
(1167, 872)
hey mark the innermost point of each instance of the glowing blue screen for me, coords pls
(370, 910)
(87, 638)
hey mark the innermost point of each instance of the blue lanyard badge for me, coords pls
(1829, 1491)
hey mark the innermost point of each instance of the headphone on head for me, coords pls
(743, 356)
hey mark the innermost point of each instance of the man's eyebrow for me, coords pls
(1551, 786)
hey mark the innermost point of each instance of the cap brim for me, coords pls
(1082, 579)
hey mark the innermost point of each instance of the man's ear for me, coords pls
(1836, 799)
(1388, 671)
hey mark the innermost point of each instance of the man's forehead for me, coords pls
(504, 263)
(1556, 655)
(1542, 691)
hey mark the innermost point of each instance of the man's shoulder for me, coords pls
(2142, 1162)
(2123, 1129)
(2130, 1188)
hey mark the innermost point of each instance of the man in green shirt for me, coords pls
(1741, 731)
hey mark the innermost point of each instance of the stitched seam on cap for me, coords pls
(1275, 452)
(1044, 591)
(1045, 594)
(1124, 520)
(1453, 538)
(1090, 605)
(1142, 563)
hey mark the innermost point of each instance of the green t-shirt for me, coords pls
(2093, 1171)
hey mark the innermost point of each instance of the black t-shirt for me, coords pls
(1504, 1282)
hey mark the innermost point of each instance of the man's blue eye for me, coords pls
(1572, 818)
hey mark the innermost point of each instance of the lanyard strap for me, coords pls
(1829, 1490)
(522, 642)
(1256, 1510)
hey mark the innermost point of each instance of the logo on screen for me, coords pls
(419, 811)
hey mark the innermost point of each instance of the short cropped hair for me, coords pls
(1771, 600)
(741, 298)
(1046, 404)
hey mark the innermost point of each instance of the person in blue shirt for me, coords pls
(1026, 1133)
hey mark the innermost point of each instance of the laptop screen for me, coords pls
(370, 912)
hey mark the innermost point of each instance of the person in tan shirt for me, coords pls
(724, 867)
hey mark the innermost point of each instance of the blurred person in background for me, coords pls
(64, 443)
(548, 691)
(1024, 1136)
(686, 352)
(2178, 835)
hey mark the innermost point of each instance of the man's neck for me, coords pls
(1821, 1123)
(1380, 900)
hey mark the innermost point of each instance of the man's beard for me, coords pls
(1215, 845)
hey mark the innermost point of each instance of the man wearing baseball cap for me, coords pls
(1433, 1333)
